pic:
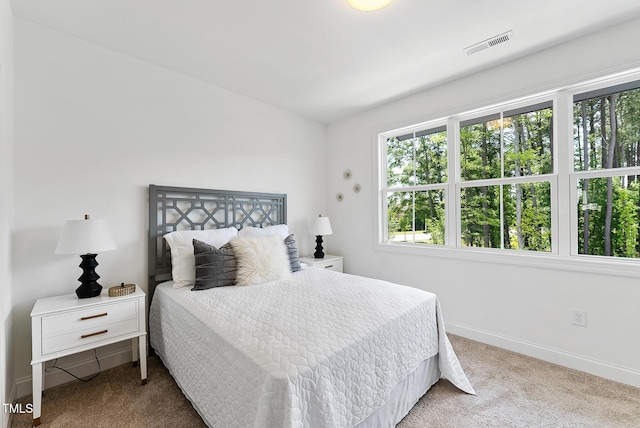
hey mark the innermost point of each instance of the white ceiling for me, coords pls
(320, 58)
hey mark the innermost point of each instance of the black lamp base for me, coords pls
(319, 254)
(89, 286)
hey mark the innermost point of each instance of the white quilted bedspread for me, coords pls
(321, 349)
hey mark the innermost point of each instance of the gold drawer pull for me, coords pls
(328, 267)
(93, 316)
(84, 336)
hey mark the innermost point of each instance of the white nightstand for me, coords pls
(328, 262)
(65, 325)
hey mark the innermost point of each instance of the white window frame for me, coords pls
(383, 236)
(575, 176)
(551, 178)
(564, 218)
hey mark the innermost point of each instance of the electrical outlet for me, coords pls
(579, 317)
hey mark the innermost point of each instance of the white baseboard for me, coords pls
(578, 362)
(85, 367)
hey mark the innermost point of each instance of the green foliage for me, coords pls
(536, 217)
(428, 209)
(480, 212)
(479, 151)
(624, 218)
(528, 143)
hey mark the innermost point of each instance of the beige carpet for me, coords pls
(512, 391)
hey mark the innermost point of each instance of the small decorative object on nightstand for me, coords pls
(320, 226)
(328, 262)
(65, 325)
(122, 290)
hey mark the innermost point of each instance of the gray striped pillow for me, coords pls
(292, 252)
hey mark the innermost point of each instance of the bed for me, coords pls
(301, 348)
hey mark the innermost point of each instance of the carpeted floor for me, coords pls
(512, 391)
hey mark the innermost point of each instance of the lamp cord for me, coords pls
(87, 379)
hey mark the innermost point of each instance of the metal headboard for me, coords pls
(182, 208)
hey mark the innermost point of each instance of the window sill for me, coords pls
(585, 264)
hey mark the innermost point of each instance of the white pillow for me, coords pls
(281, 230)
(183, 268)
(261, 259)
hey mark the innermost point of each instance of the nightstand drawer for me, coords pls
(88, 335)
(84, 319)
(329, 262)
(335, 264)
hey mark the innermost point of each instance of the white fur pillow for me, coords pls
(261, 259)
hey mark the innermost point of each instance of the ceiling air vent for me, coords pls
(489, 43)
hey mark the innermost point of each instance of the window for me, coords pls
(416, 186)
(501, 205)
(606, 143)
(489, 181)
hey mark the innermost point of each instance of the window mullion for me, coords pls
(452, 193)
(419, 188)
(613, 172)
(413, 194)
(564, 226)
(502, 176)
(510, 180)
(383, 211)
(413, 216)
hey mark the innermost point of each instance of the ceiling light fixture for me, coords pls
(368, 5)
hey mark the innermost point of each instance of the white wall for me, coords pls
(94, 128)
(6, 201)
(521, 308)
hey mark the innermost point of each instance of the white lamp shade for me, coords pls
(85, 237)
(320, 226)
(368, 5)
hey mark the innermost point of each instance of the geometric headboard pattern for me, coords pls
(183, 208)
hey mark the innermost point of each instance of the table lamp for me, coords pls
(86, 237)
(320, 226)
